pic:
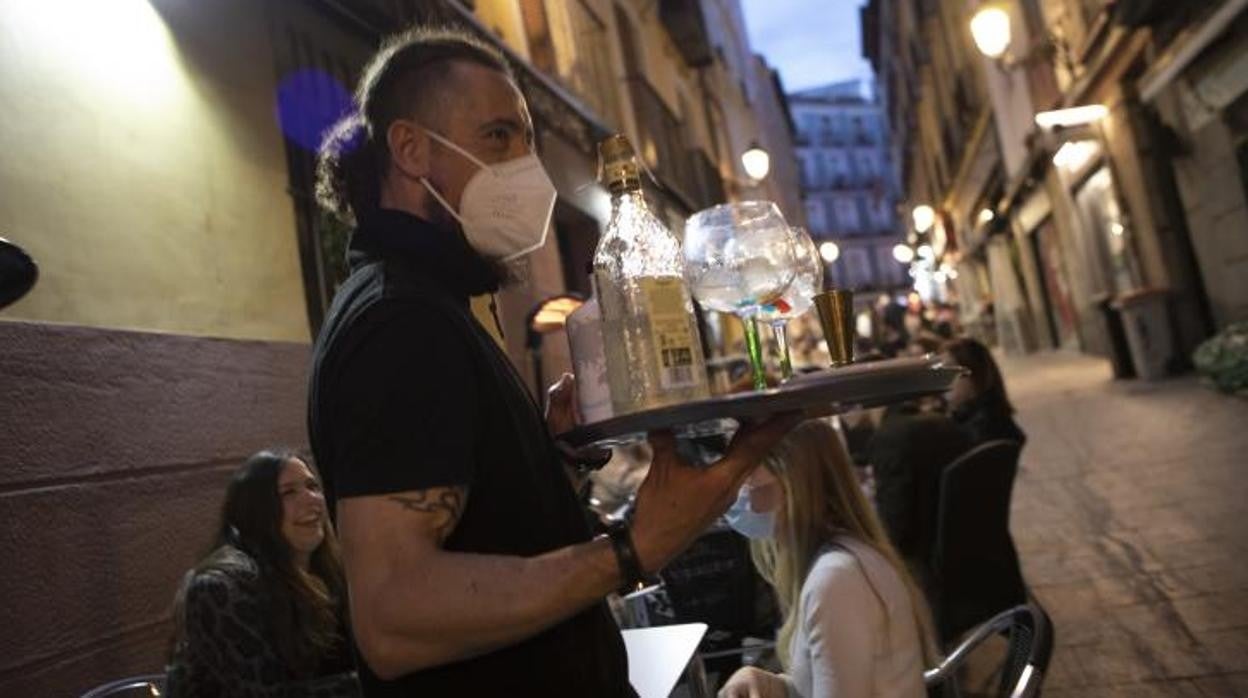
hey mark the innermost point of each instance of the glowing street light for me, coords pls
(829, 251)
(924, 218)
(757, 162)
(903, 253)
(1074, 116)
(986, 216)
(1073, 155)
(990, 27)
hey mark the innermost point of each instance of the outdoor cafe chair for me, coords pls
(1030, 647)
(974, 566)
(147, 685)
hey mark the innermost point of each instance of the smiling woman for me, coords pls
(264, 613)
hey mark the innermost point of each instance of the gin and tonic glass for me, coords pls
(739, 258)
(794, 302)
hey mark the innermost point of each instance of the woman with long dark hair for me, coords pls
(978, 401)
(264, 613)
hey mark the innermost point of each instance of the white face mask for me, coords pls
(505, 208)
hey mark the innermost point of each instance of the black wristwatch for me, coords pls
(634, 578)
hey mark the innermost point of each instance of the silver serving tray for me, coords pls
(818, 394)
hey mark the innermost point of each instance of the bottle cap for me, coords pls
(617, 164)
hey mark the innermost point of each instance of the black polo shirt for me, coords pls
(409, 392)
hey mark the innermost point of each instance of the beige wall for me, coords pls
(143, 170)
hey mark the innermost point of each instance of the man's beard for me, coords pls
(503, 273)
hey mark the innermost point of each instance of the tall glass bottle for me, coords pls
(649, 332)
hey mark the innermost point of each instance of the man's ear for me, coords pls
(409, 148)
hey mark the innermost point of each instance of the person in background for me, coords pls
(978, 402)
(908, 454)
(263, 614)
(855, 623)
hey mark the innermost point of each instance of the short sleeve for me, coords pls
(406, 414)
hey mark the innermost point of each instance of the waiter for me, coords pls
(470, 563)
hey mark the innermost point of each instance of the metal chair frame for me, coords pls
(155, 683)
(1030, 675)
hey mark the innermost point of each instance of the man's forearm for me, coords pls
(453, 606)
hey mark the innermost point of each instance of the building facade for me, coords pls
(158, 173)
(1051, 223)
(848, 182)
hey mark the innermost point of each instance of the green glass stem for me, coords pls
(780, 328)
(754, 348)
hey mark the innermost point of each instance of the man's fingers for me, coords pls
(663, 443)
(562, 389)
(758, 438)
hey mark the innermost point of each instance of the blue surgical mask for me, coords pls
(758, 525)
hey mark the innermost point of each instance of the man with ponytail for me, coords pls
(471, 566)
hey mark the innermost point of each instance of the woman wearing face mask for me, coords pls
(263, 613)
(855, 624)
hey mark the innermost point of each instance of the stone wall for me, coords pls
(116, 447)
(1212, 189)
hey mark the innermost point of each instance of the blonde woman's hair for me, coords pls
(823, 499)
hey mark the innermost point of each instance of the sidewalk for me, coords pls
(1130, 514)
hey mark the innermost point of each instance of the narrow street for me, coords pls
(1129, 515)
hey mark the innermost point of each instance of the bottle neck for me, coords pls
(628, 199)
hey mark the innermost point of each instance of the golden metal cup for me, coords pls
(836, 316)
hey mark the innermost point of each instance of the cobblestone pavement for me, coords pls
(1130, 514)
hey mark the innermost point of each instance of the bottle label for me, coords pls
(669, 326)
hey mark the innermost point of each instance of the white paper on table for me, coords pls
(658, 656)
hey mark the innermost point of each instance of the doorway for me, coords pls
(1055, 285)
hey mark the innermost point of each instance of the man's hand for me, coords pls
(562, 416)
(751, 682)
(561, 405)
(678, 501)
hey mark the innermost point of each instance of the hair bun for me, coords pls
(346, 165)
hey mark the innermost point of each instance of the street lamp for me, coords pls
(903, 253)
(829, 251)
(1073, 116)
(1073, 155)
(18, 272)
(757, 161)
(924, 218)
(990, 27)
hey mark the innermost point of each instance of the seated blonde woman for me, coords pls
(855, 624)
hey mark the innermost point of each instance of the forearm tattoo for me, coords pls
(446, 503)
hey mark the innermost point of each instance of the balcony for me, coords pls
(687, 173)
(829, 137)
(684, 22)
